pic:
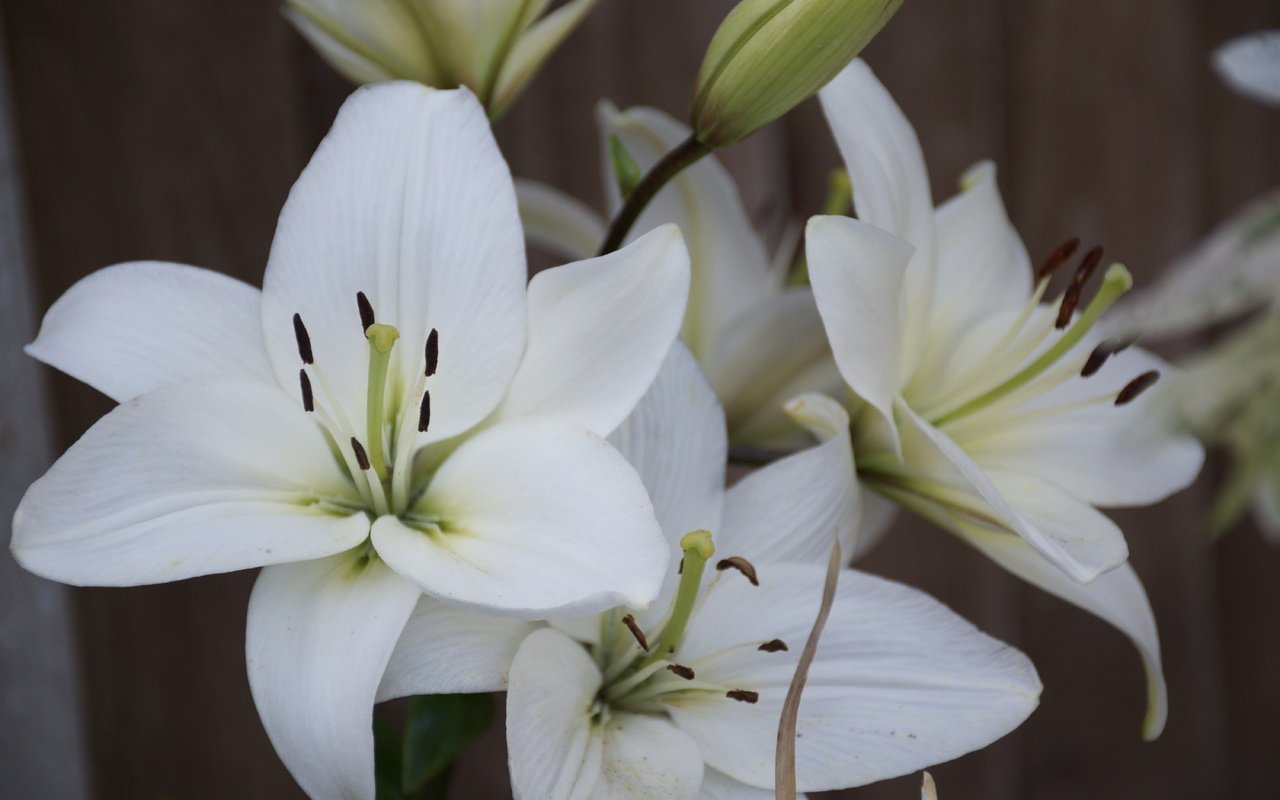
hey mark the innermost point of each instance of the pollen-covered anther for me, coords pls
(304, 340)
(741, 565)
(1071, 297)
(1058, 257)
(424, 413)
(308, 398)
(362, 458)
(681, 671)
(1101, 353)
(743, 695)
(634, 627)
(432, 354)
(773, 646)
(366, 311)
(1136, 387)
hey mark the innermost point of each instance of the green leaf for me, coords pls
(625, 168)
(387, 749)
(439, 728)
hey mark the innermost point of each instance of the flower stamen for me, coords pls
(1136, 387)
(1057, 257)
(743, 696)
(1071, 297)
(642, 640)
(681, 671)
(773, 646)
(304, 341)
(308, 398)
(366, 312)
(741, 565)
(1102, 353)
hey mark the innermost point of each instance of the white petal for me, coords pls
(193, 479)
(646, 757)
(536, 518)
(371, 41)
(599, 331)
(535, 46)
(1117, 597)
(1065, 530)
(550, 704)
(318, 638)
(676, 441)
(730, 265)
(447, 650)
(890, 184)
(718, 786)
(557, 222)
(1250, 64)
(408, 200)
(857, 272)
(983, 266)
(793, 509)
(1101, 454)
(899, 682)
(132, 328)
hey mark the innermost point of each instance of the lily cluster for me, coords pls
(455, 480)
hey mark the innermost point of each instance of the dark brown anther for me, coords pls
(1058, 257)
(632, 626)
(1071, 297)
(424, 413)
(1105, 350)
(304, 340)
(743, 696)
(433, 352)
(362, 458)
(680, 569)
(366, 311)
(308, 399)
(681, 670)
(775, 646)
(741, 565)
(1136, 387)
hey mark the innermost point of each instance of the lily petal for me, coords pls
(557, 222)
(730, 264)
(531, 519)
(534, 47)
(132, 328)
(1117, 597)
(890, 185)
(447, 650)
(763, 520)
(318, 638)
(409, 201)
(192, 479)
(558, 750)
(374, 41)
(899, 683)
(1067, 531)
(599, 331)
(1250, 64)
(718, 786)
(857, 272)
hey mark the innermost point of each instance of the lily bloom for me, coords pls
(1004, 420)
(494, 47)
(760, 341)
(683, 700)
(393, 414)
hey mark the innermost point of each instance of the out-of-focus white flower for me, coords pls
(1003, 420)
(1250, 64)
(492, 46)
(459, 453)
(928, 791)
(760, 341)
(683, 699)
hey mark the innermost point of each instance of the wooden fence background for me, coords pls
(172, 129)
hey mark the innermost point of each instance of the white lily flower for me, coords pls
(683, 700)
(459, 453)
(494, 47)
(977, 406)
(760, 341)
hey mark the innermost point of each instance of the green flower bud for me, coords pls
(769, 55)
(494, 47)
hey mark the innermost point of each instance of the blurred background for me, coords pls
(172, 130)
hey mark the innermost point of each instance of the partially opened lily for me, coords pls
(760, 341)
(683, 700)
(492, 46)
(1004, 420)
(393, 411)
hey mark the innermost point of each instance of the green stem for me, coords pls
(685, 154)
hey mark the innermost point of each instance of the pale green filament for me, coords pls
(1116, 282)
(697, 549)
(381, 339)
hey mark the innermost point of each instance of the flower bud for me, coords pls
(769, 55)
(494, 47)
